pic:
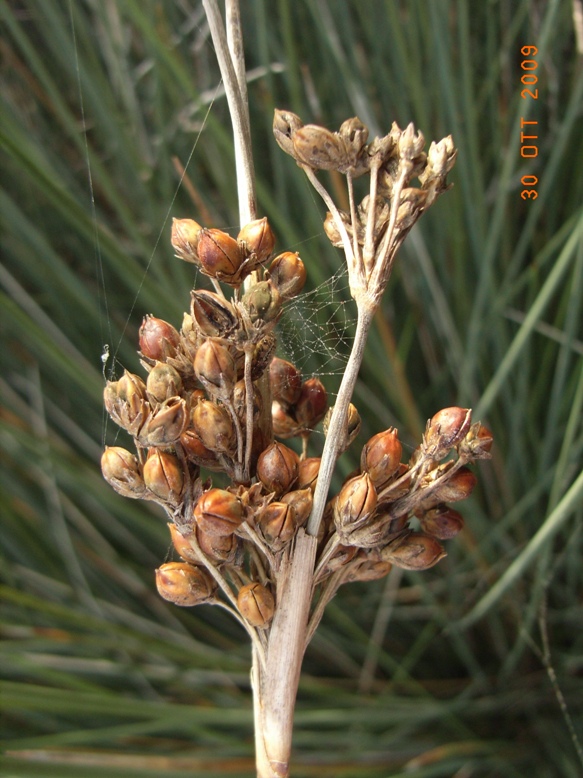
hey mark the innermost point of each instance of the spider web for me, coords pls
(316, 330)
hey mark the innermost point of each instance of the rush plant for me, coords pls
(270, 543)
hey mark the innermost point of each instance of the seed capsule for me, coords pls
(312, 404)
(214, 427)
(197, 452)
(285, 125)
(355, 504)
(381, 456)
(302, 500)
(166, 425)
(213, 315)
(182, 544)
(215, 368)
(163, 475)
(308, 473)
(446, 429)
(442, 522)
(218, 513)
(285, 381)
(121, 470)
(318, 148)
(184, 585)
(258, 238)
(158, 339)
(284, 424)
(256, 604)
(278, 522)
(163, 382)
(263, 302)
(288, 274)
(220, 256)
(277, 468)
(478, 443)
(415, 551)
(458, 487)
(184, 239)
(219, 548)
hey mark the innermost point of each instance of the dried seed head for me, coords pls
(285, 381)
(163, 475)
(381, 456)
(312, 404)
(413, 551)
(184, 584)
(259, 240)
(352, 428)
(440, 160)
(166, 425)
(125, 401)
(121, 470)
(256, 604)
(369, 571)
(163, 382)
(410, 143)
(218, 513)
(278, 522)
(158, 339)
(263, 301)
(184, 239)
(318, 148)
(354, 505)
(277, 468)
(354, 135)
(214, 427)
(442, 522)
(285, 125)
(180, 541)
(215, 368)
(220, 256)
(288, 274)
(197, 452)
(213, 315)
(446, 429)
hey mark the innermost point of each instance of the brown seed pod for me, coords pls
(278, 522)
(158, 340)
(263, 302)
(381, 456)
(163, 382)
(215, 368)
(458, 487)
(284, 424)
(258, 239)
(442, 522)
(220, 256)
(478, 443)
(302, 500)
(166, 425)
(318, 148)
(355, 504)
(413, 551)
(285, 125)
(214, 427)
(312, 404)
(121, 470)
(219, 548)
(163, 475)
(182, 544)
(446, 429)
(184, 584)
(218, 512)
(288, 274)
(277, 468)
(308, 473)
(184, 239)
(197, 452)
(285, 381)
(239, 401)
(256, 604)
(214, 316)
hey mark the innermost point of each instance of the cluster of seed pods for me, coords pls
(217, 400)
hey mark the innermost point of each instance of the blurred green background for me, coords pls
(436, 674)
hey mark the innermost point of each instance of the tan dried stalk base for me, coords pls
(275, 686)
